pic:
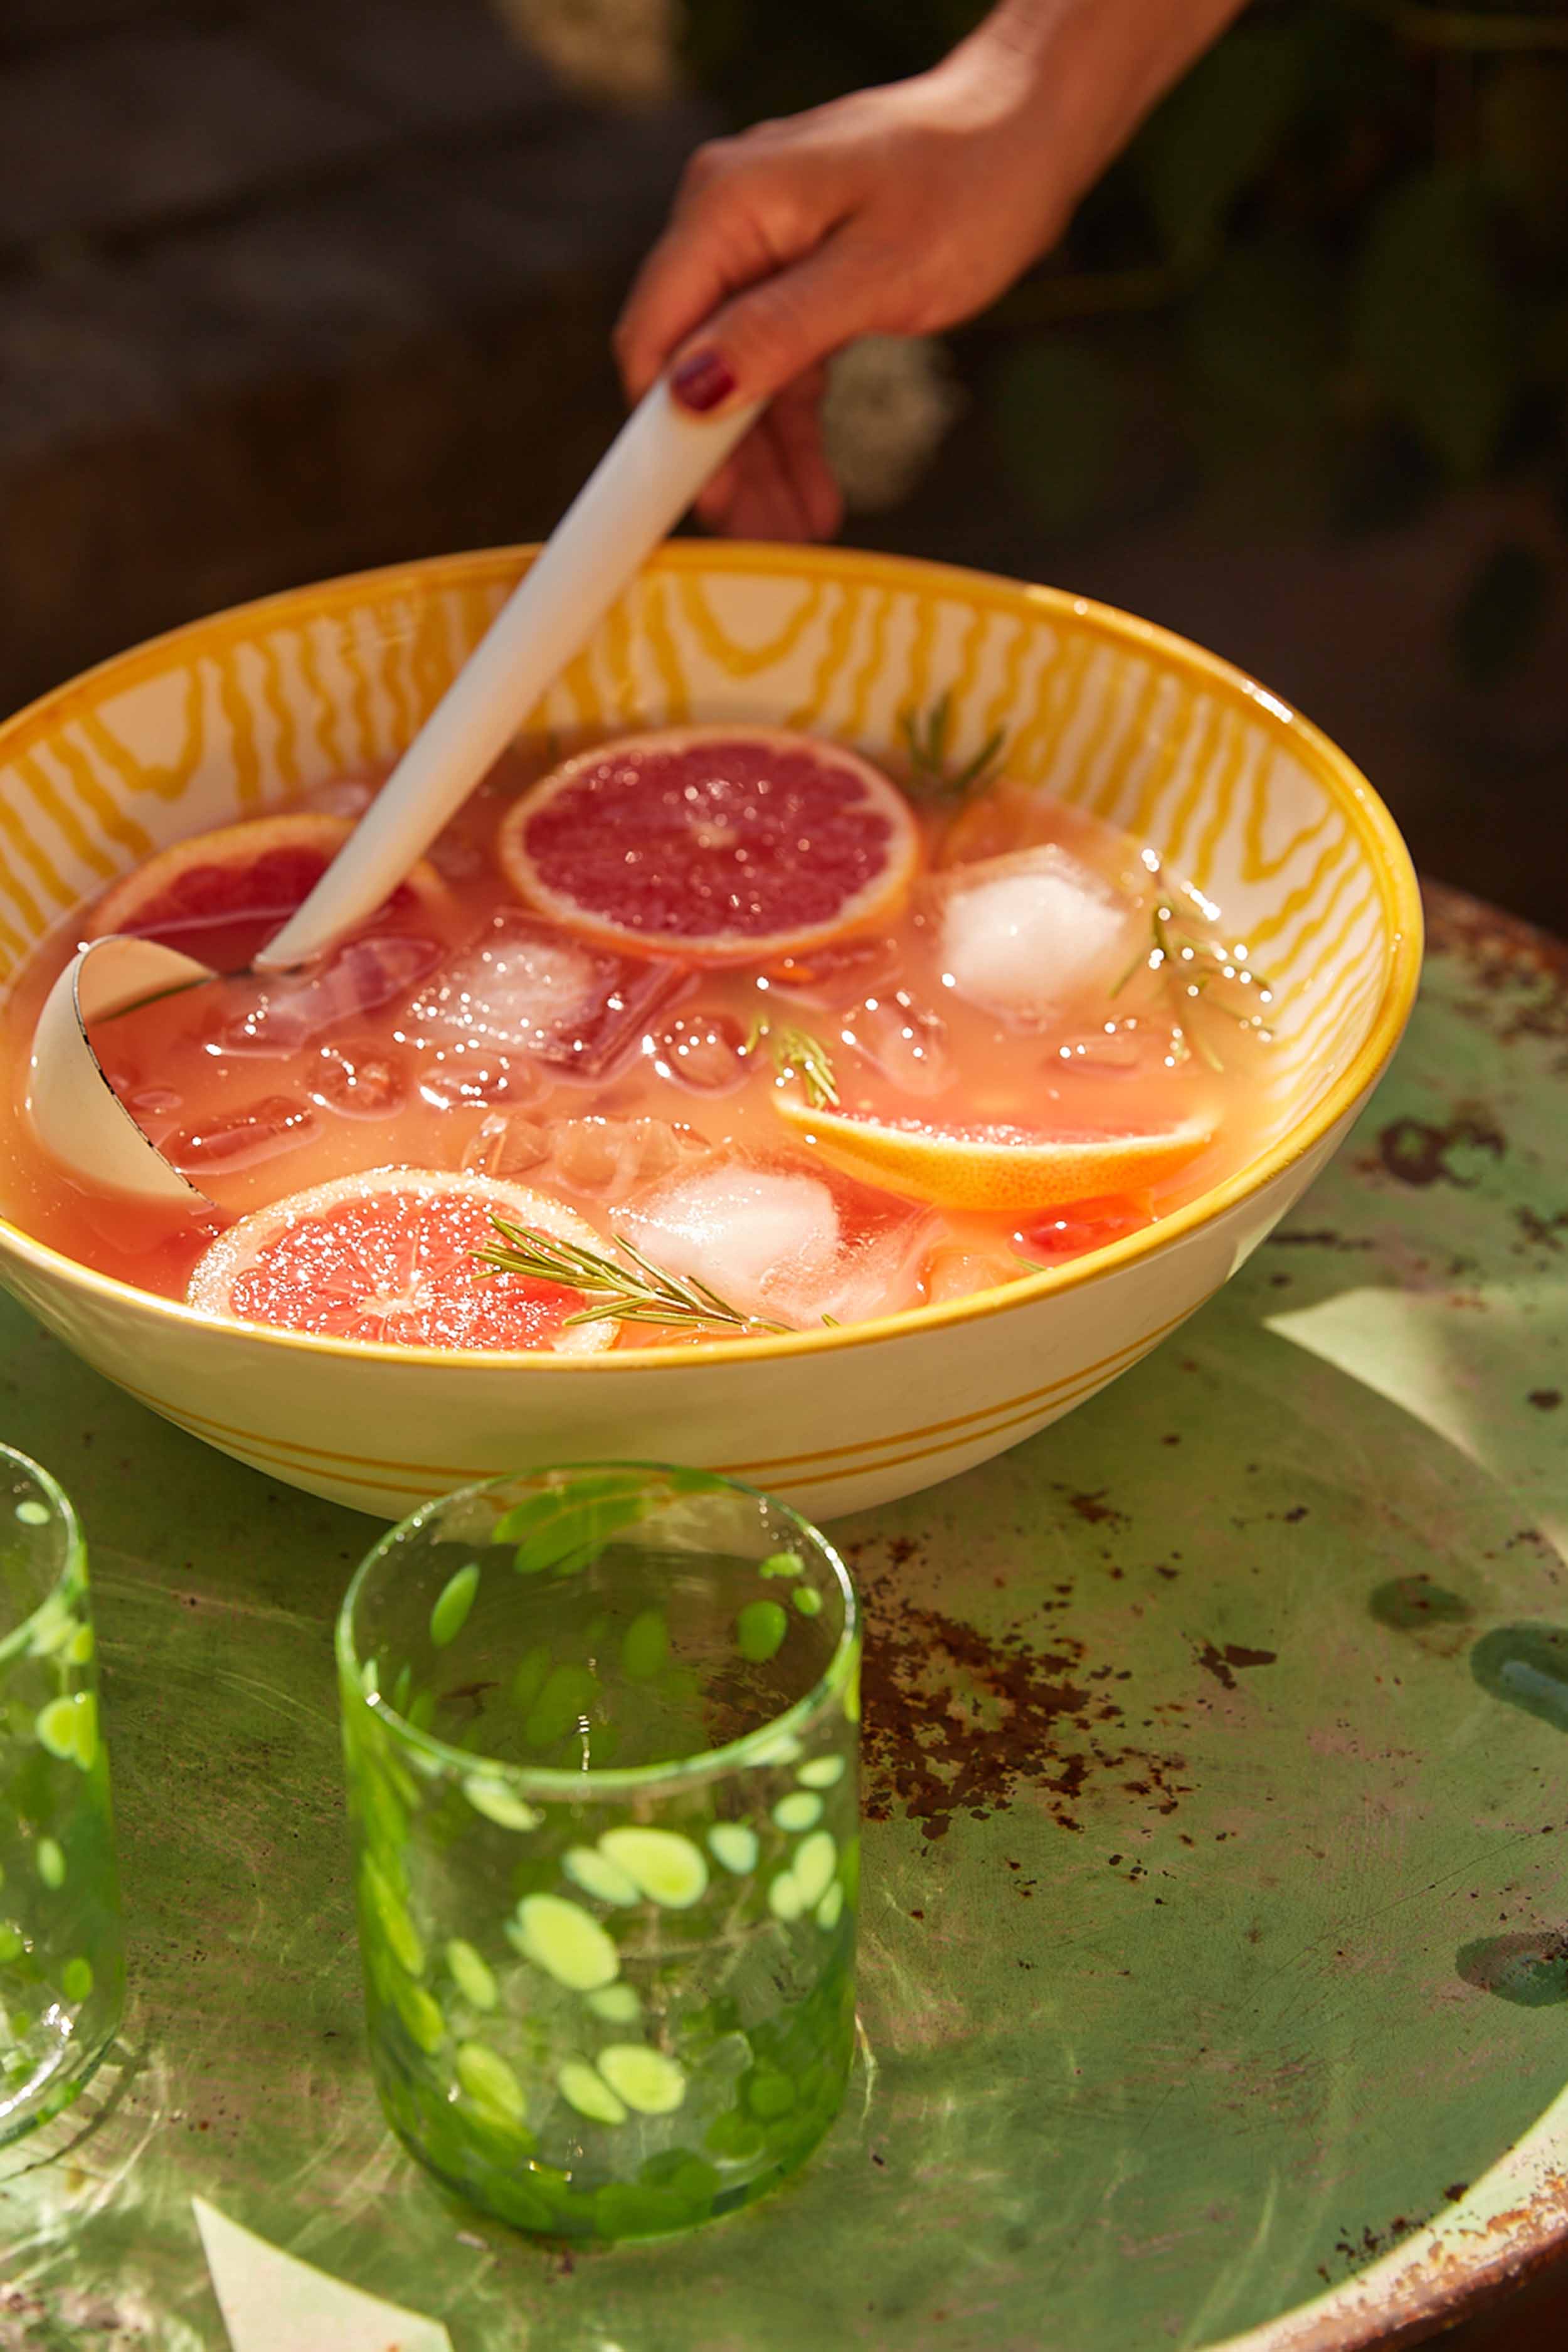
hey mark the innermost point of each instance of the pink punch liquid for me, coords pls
(1020, 985)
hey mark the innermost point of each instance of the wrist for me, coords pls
(1083, 74)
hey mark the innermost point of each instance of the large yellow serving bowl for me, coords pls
(231, 716)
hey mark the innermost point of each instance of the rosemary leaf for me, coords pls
(1192, 970)
(798, 1052)
(637, 1292)
(926, 745)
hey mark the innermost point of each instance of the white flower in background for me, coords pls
(891, 398)
(624, 50)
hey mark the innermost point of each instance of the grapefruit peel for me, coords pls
(161, 896)
(989, 1166)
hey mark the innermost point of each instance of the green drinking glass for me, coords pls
(601, 1727)
(62, 1976)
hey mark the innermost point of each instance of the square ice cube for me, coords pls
(1025, 935)
(360, 977)
(782, 1238)
(524, 988)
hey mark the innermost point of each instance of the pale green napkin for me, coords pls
(272, 2302)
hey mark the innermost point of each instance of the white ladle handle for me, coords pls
(648, 476)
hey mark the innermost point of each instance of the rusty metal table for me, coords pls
(1217, 1868)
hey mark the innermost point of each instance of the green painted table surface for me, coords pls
(1218, 1856)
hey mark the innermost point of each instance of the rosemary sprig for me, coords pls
(797, 1050)
(926, 742)
(1188, 968)
(637, 1292)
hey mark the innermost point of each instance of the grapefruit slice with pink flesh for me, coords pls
(220, 896)
(389, 1257)
(990, 1166)
(713, 845)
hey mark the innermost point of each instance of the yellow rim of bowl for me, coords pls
(1379, 837)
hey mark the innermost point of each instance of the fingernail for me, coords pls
(701, 381)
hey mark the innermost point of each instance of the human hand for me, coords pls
(896, 211)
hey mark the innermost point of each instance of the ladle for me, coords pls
(654, 468)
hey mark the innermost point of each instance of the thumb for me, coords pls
(773, 332)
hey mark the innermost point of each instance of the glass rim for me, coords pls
(15, 1642)
(553, 1782)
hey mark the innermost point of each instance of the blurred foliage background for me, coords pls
(1327, 282)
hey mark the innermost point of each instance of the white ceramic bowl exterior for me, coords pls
(234, 716)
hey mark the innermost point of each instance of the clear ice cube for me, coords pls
(781, 1239)
(603, 1159)
(703, 1051)
(455, 1076)
(523, 988)
(360, 1079)
(456, 856)
(906, 1042)
(1146, 1046)
(514, 1146)
(837, 972)
(358, 978)
(1025, 936)
(241, 1139)
(955, 1270)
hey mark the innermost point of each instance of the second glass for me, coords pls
(61, 1964)
(601, 1729)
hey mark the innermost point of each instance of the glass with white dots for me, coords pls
(602, 1736)
(61, 1953)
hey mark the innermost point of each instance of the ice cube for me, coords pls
(1134, 1048)
(457, 1075)
(147, 1102)
(605, 1159)
(506, 1145)
(956, 1271)
(1025, 936)
(907, 1044)
(353, 980)
(240, 1138)
(781, 1239)
(615, 1156)
(457, 855)
(523, 988)
(704, 1051)
(360, 1079)
(837, 972)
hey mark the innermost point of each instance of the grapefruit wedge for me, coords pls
(714, 844)
(989, 1166)
(220, 896)
(388, 1256)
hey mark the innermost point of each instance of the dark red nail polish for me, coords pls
(701, 381)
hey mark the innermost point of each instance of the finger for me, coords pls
(795, 419)
(765, 508)
(775, 330)
(780, 473)
(762, 501)
(715, 498)
(740, 213)
(685, 278)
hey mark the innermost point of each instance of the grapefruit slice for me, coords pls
(715, 845)
(220, 896)
(985, 1164)
(388, 1256)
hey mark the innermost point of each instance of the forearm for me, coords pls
(1089, 71)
